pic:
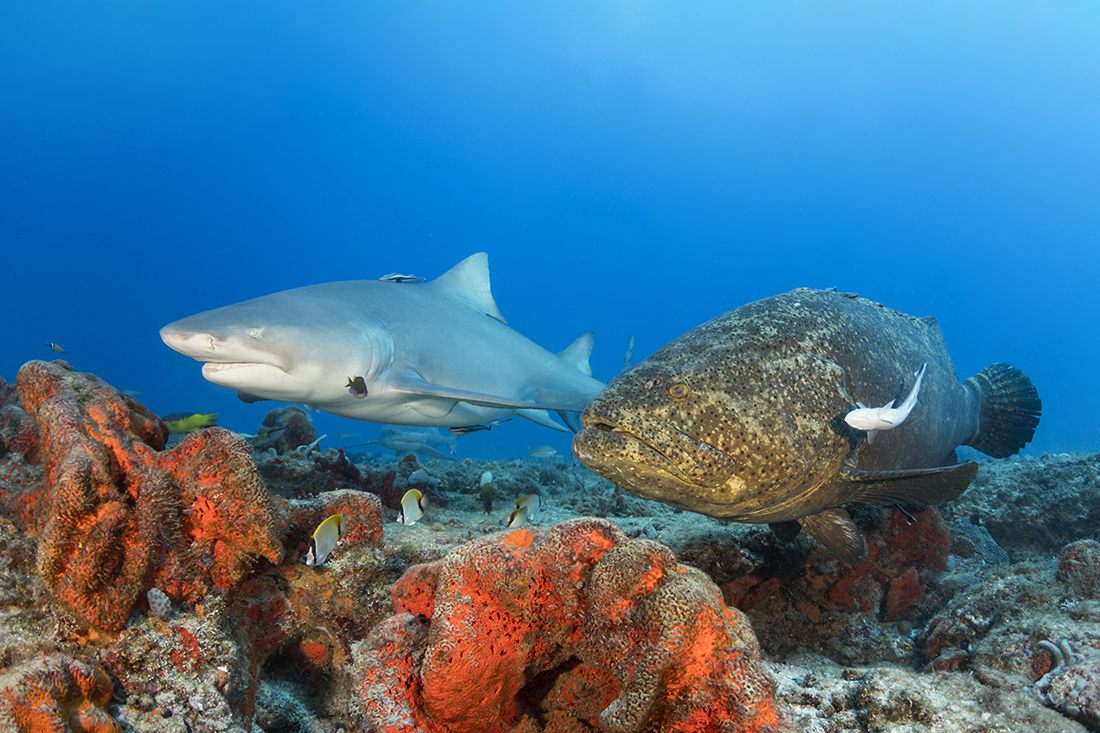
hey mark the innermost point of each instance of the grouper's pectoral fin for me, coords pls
(911, 486)
(835, 529)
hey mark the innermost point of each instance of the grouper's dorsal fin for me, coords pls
(912, 486)
(835, 529)
(471, 278)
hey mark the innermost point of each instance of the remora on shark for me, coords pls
(435, 354)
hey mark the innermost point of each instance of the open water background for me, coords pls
(633, 168)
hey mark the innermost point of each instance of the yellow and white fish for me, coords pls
(526, 509)
(412, 507)
(54, 347)
(324, 539)
(518, 518)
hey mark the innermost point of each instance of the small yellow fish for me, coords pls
(532, 503)
(412, 507)
(324, 539)
(132, 392)
(55, 347)
(518, 518)
(543, 451)
(345, 436)
(188, 422)
(357, 386)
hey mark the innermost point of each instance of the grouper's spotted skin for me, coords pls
(742, 418)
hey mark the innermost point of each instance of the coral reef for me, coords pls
(175, 573)
(56, 693)
(116, 515)
(797, 593)
(289, 428)
(823, 697)
(575, 620)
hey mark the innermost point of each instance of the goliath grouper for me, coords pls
(742, 418)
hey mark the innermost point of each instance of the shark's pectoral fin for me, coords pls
(835, 529)
(542, 417)
(415, 385)
(572, 419)
(249, 398)
(912, 486)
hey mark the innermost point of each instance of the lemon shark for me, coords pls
(398, 351)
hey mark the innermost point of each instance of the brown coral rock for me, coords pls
(117, 515)
(572, 621)
(56, 693)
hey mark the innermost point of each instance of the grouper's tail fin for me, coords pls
(1008, 410)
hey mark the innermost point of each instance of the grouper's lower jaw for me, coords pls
(629, 463)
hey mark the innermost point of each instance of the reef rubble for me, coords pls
(156, 586)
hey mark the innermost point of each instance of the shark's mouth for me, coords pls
(211, 368)
(263, 380)
(612, 435)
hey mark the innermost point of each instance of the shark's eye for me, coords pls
(254, 333)
(677, 390)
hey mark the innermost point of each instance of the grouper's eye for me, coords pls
(677, 390)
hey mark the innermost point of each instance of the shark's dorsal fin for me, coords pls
(578, 352)
(471, 278)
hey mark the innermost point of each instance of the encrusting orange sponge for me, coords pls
(575, 621)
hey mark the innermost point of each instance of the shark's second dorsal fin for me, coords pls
(578, 352)
(471, 278)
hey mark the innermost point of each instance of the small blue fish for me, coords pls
(324, 539)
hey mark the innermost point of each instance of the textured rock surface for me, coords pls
(823, 697)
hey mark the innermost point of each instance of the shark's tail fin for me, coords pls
(578, 352)
(1008, 410)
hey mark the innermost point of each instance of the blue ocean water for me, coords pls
(632, 168)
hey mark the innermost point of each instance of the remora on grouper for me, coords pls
(742, 418)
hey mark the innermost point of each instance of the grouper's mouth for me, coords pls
(628, 448)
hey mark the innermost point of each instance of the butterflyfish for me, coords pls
(518, 518)
(531, 503)
(188, 422)
(412, 507)
(324, 539)
(54, 347)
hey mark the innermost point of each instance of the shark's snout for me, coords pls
(196, 344)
